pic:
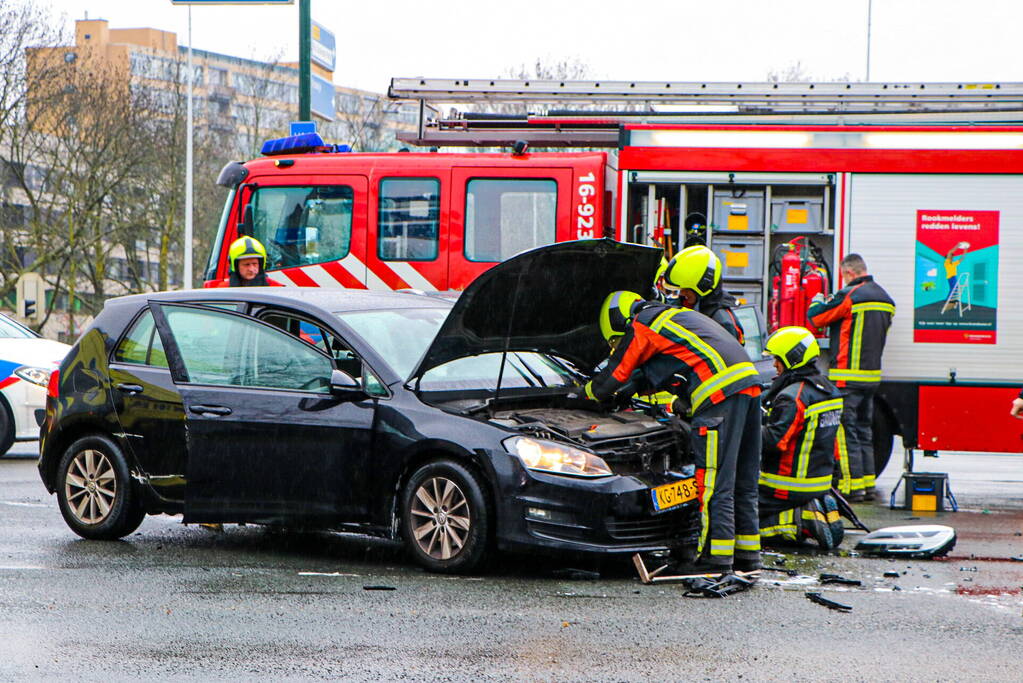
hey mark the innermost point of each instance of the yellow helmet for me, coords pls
(245, 247)
(616, 311)
(658, 283)
(793, 346)
(696, 268)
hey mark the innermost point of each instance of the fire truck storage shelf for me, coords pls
(742, 233)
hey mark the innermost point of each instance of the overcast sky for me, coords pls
(682, 40)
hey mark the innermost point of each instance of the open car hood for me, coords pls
(546, 299)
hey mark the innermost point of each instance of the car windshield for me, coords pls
(401, 337)
(12, 330)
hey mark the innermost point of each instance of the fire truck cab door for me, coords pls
(314, 229)
(496, 212)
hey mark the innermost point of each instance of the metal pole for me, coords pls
(186, 280)
(870, 10)
(304, 51)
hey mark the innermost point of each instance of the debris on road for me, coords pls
(379, 588)
(575, 574)
(830, 604)
(917, 540)
(892, 575)
(705, 585)
(835, 578)
(781, 570)
(710, 588)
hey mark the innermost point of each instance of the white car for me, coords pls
(26, 361)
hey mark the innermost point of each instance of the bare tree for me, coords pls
(21, 25)
(796, 72)
(256, 89)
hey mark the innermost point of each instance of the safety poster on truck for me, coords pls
(956, 287)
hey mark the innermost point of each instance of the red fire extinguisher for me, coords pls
(798, 273)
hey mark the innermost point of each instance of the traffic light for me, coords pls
(28, 309)
(31, 295)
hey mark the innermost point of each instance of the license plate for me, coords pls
(672, 495)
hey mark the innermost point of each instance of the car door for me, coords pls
(149, 408)
(267, 442)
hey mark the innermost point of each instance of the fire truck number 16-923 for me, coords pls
(585, 209)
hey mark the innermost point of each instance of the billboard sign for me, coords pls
(322, 49)
(321, 97)
(956, 287)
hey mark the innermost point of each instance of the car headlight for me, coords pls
(550, 456)
(34, 375)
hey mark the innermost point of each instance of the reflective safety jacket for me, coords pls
(859, 316)
(671, 342)
(800, 439)
(718, 307)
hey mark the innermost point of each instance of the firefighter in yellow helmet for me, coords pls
(692, 278)
(709, 371)
(246, 259)
(801, 440)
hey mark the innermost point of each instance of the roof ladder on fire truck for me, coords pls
(595, 124)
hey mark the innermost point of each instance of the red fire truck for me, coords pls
(924, 180)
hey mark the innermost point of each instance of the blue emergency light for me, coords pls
(300, 144)
(293, 144)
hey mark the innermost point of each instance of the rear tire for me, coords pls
(446, 518)
(6, 427)
(883, 440)
(97, 497)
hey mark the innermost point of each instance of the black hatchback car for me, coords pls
(454, 425)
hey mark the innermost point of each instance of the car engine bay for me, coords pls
(629, 441)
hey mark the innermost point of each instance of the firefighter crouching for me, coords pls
(800, 441)
(692, 279)
(246, 258)
(721, 389)
(859, 316)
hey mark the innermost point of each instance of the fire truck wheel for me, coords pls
(883, 440)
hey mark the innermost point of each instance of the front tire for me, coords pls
(95, 492)
(446, 519)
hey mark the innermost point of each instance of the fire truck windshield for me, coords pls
(303, 225)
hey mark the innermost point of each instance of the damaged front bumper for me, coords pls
(611, 515)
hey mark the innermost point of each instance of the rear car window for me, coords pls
(303, 225)
(408, 219)
(142, 344)
(504, 216)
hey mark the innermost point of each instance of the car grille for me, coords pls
(662, 528)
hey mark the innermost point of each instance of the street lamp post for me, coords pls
(870, 9)
(304, 56)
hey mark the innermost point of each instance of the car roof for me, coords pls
(333, 300)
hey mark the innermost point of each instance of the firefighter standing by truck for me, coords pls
(859, 316)
(720, 388)
(800, 441)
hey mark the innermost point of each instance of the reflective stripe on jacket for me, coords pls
(679, 341)
(859, 316)
(799, 439)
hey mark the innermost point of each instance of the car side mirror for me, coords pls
(343, 385)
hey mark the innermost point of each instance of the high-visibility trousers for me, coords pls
(726, 443)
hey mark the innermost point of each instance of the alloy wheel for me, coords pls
(90, 486)
(441, 518)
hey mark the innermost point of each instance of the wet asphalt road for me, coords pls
(174, 602)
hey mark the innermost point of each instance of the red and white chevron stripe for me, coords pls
(351, 273)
